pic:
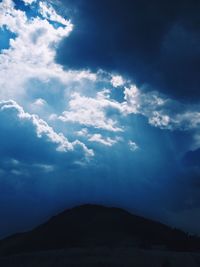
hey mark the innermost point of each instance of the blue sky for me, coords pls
(89, 115)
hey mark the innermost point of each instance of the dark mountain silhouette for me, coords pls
(95, 226)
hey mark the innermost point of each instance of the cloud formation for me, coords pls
(31, 54)
(154, 43)
(133, 146)
(42, 129)
(90, 111)
(98, 138)
(96, 124)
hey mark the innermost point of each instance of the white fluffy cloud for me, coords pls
(159, 120)
(40, 102)
(90, 111)
(98, 138)
(162, 112)
(43, 129)
(48, 12)
(29, 2)
(117, 81)
(31, 55)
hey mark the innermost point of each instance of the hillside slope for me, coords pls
(97, 226)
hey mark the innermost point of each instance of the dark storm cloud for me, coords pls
(154, 42)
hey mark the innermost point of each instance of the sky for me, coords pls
(99, 103)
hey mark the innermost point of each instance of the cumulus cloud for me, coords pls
(187, 120)
(42, 129)
(159, 120)
(31, 54)
(137, 101)
(29, 2)
(161, 111)
(91, 111)
(98, 138)
(48, 12)
(40, 102)
(117, 81)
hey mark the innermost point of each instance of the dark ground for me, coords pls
(108, 257)
(92, 235)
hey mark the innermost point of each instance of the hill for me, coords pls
(91, 226)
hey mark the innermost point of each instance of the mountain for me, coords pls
(90, 226)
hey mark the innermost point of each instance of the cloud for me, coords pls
(138, 101)
(46, 152)
(29, 2)
(117, 81)
(189, 119)
(99, 109)
(40, 102)
(45, 167)
(143, 45)
(133, 146)
(159, 120)
(31, 54)
(161, 111)
(42, 129)
(91, 111)
(48, 12)
(98, 138)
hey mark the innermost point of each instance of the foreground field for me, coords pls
(108, 257)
